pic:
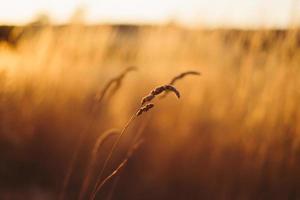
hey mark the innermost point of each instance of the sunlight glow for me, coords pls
(213, 12)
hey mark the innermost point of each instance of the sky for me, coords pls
(278, 13)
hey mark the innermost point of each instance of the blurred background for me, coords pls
(233, 134)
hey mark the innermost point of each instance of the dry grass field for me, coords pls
(233, 134)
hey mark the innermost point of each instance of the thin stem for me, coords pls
(92, 162)
(135, 140)
(74, 159)
(108, 158)
(121, 165)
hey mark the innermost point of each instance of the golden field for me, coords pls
(233, 134)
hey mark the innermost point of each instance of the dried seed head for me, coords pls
(147, 99)
(158, 91)
(145, 108)
(173, 89)
(117, 81)
(182, 75)
(178, 77)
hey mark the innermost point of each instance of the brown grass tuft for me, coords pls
(118, 82)
(141, 110)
